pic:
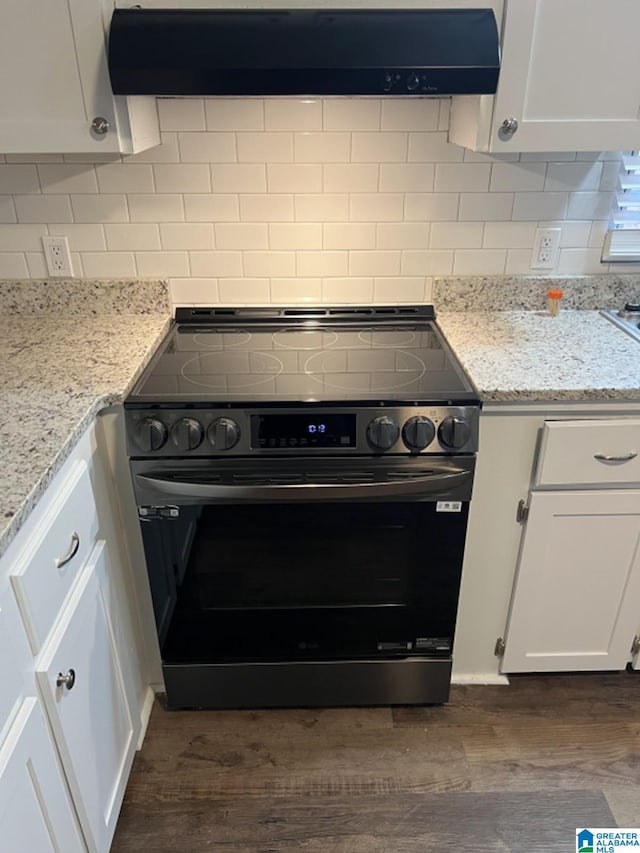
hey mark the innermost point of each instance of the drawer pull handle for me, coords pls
(73, 550)
(601, 457)
(67, 680)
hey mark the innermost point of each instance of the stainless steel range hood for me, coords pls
(304, 52)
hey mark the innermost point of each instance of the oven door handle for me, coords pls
(444, 479)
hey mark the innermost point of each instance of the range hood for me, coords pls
(304, 52)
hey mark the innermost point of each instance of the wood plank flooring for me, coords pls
(497, 769)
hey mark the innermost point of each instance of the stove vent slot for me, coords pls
(410, 475)
(304, 312)
(352, 312)
(337, 477)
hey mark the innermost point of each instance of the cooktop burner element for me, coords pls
(380, 380)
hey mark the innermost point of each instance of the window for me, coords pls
(622, 244)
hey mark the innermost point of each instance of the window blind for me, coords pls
(622, 243)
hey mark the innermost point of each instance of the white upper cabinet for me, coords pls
(569, 78)
(54, 82)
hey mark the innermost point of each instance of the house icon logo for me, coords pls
(584, 841)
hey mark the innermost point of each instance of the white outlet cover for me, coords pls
(58, 257)
(546, 248)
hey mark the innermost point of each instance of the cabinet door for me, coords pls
(90, 717)
(54, 81)
(575, 599)
(570, 76)
(35, 812)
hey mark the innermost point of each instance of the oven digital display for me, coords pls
(303, 431)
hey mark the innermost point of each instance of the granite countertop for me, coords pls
(57, 371)
(530, 355)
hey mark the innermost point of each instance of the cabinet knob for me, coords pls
(100, 126)
(67, 680)
(508, 128)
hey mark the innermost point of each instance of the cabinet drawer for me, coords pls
(590, 452)
(45, 571)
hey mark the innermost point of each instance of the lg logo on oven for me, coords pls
(449, 506)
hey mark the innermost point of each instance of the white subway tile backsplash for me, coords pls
(322, 147)
(321, 264)
(108, 264)
(410, 114)
(211, 208)
(211, 147)
(597, 233)
(609, 177)
(426, 262)
(374, 263)
(518, 263)
(394, 290)
(509, 235)
(485, 207)
(575, 235)
(456, 235)
(239, 178)
(21, 238)
(336, 291)
(587, 205)
(43, 208)
(406, 177)
(158, 207)
(573, 176)
(67, 178)
(351, 114)
(241, 236)
(216, 264)
(267, 147)
(479, 262)
(402, 235)
(431, 207)
(388, 147)
(13, 265)
(19, 179)
(129, 237)
(189, 291)
(528, 207)
(294, 178)
(100, 208)
(186, 235)
(271, 264)
(462, 177)
(125, 178)
(297, 235)
(290, 114)
(378, 207)
(234, 114)
(37, 265)
(326, 207)
(266, 208)
(162, 264)
(349, 235)
(517, 177)
(182, 178)
(244, 291)
(433, 148)
(296, 290)
(181, 113)
(351, 177)
(7, 209)
(82, 238)
(580, 261)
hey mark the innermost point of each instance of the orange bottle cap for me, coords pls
(555, 294)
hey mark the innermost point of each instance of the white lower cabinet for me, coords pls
(36, 815)
(576, 600)
(81, 679)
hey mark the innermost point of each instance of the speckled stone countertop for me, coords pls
(530, 355)
(58, 370)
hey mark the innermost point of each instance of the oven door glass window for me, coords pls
(306, 581)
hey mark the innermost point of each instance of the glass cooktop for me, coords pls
(212, 364)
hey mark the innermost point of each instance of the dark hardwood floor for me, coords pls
(497, 769)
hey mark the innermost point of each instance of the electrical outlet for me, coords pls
(545, 248)
(58, 257)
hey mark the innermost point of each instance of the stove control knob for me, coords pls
(150, 434)
(383, 432)
(224, 433)
(454, 432)
(187, 434)
(418, 432)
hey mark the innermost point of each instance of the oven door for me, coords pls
(306, 559)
